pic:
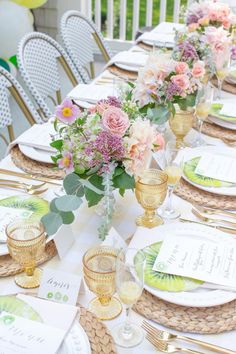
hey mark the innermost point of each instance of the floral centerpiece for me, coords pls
(165, 85)
(209, 13)
(100, 149)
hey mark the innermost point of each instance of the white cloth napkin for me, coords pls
(52, 313)
(38, 136)
(168, 27)
(159, 39)
(131, 59)
(92, 93)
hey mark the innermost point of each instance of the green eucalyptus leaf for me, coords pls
(52, 221)
(67, 217)
(73, 186)
(68, 203)
(92, 197)
(53, 207)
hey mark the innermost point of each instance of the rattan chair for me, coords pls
(9, 86)
(78, 35)
(39, 58)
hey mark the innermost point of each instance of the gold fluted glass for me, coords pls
(150, 191)
(99, 266)
(26, 243)
(180, 124)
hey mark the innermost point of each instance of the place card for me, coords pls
(64, 240)
(205, 259)
(23, 336)
(7, 215)
(219, 167)
(114, 239)
(60, 286)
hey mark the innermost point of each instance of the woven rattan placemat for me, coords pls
(198, 196)
(205, 320)
(33, 167)
(231, 88)
(124, 74)
(99, 337)
(218, 132)
(9, 267)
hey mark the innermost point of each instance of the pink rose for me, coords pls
(192, 27)
(181, 80)
(226, 23)
(213, 15)
(115, 120)
(198, 70)
(181, 67)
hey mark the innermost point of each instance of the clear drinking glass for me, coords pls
(26, 243)
(203, 106)
(173, 169)
(221, 73)
(129, 286)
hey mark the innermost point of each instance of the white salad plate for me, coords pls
(189, 154)
(128, 67)
(36, 154)
(201, 297)
(223, 123)
(76, 341)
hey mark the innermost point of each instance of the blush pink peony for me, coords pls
(115, 120)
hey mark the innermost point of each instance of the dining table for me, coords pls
(85, 228)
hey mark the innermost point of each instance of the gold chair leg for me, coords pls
(92, 71)
(101, 47)
(68, 71)
(22, 105)
(4, 139)
(11, 132)
(59, 99)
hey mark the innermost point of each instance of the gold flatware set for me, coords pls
(33, 189)
(160, 339)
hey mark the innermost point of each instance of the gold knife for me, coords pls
(221, 228)
(29, 176)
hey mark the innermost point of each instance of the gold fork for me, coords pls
(30, 189)
(211, 220)
(168, 348)
(32, 186)
(166, 336)
(214, 211)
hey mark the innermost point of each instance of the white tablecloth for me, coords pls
(85, 229)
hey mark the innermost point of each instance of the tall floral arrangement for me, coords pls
(100, 149)
(164, 84)
(203, 13)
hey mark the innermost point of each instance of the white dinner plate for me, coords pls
(158, 44)
(201, 297)
(128, 67)
(222, 123)
(197, 152)
(76, 342)
(36, 154)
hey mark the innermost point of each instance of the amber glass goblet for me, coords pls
(150, 191)
(26, 243)
(99, 266)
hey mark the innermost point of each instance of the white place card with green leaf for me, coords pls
(219, 167)
(60, 286)
(209, 260)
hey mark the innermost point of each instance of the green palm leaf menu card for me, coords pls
(211, 260)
